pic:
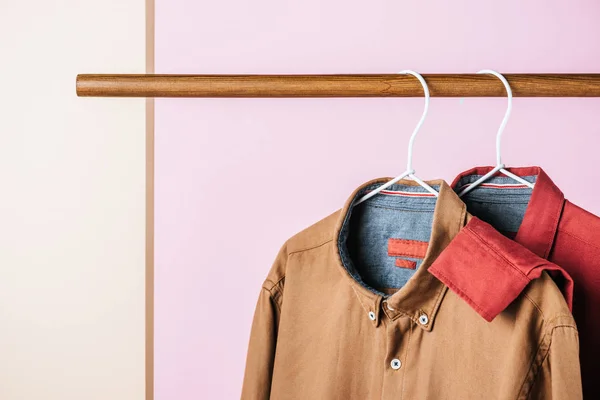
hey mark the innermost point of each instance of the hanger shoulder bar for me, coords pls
(364, 85)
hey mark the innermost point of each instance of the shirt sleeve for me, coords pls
(261, 349)
(559, 376)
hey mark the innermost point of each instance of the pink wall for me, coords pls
(236, 177)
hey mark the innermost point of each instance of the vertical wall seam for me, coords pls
(149, 288)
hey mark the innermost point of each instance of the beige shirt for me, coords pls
(322, 330)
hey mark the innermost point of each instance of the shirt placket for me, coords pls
(395, 363)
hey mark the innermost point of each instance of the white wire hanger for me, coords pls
(410, 172)
(499, 166)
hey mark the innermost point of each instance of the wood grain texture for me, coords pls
(384, 85)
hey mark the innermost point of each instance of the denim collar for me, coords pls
(423, 293)
(540, 223)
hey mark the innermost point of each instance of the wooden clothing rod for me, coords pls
(363, 85)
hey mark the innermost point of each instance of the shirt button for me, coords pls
(371, 315)
(396, 364)
(423, 319)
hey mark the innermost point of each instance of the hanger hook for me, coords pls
(410, 172)
(425, 110)
(506, 115)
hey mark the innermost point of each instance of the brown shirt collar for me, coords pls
(422, 295)
(453, 257)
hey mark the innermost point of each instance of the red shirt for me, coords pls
(566, 235)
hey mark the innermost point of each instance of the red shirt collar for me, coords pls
(503, 267)
(540, 223)
(489, 271)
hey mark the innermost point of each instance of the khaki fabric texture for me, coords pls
(319, 334)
